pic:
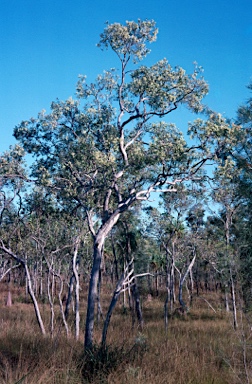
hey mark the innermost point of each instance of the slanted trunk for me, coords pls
(119, 287)
(182, 280)
(34, 300)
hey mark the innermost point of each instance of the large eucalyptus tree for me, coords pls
(102, 153)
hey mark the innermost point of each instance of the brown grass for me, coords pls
(199, 348)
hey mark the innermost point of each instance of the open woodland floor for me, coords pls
(199, 348)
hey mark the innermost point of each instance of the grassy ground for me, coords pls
(199, 348)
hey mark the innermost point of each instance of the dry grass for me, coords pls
(201, 348)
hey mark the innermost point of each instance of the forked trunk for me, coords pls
(182, 280)
(99, 240)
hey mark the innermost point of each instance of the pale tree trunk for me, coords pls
(77, 290)
(41, 279)
(49, 293)
(191, 288)
(226, 298)
(182, 303)
(228, 223)
(61, 304)
(156, 285)
(168, 291)
(138, 309)
(34, 300)
(9, 300)
(233, 300)
(28, 282)
(172, 284)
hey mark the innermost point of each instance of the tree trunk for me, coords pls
(168, 291)
(77, 290)
(34, 300)
(50, 298)
(117, 291)
(61, 305)
(98, 239)
(23, 262)
(138, 309)
(69, 296)
(93, 293)
(182, 303)
(115, 263)
(226, 298)
(99, 307)
(233, 300)
(9, 300)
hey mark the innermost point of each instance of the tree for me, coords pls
(12, 181)
(101, 154)
(244, 187)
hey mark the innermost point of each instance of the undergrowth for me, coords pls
(199, 348)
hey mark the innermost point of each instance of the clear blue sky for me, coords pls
(46, 44)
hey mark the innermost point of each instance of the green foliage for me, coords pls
(103, 155)
(130, 39)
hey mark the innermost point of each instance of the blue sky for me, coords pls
(46, 44)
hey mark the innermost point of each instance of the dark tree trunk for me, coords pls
(93, 294)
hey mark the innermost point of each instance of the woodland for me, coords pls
(126, 244)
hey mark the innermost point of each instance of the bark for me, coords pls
(77, 290)
(99, 308)
(115, 259)
(93, 293)
(233, 301)
(168, 292)
(98, 239)
(182, 303)
(69, 296)
(49, 282)
(61, 305)
(34, 300)
(226, 298)
(138, 309)
(9, 300)
(172, 284)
